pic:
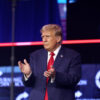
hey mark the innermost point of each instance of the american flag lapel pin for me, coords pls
(61, 56)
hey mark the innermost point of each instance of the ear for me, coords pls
(58, 39)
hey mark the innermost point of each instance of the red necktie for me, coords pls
(50, 64)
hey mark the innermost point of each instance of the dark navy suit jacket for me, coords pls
(68, 73)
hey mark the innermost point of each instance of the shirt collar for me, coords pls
(56, 51)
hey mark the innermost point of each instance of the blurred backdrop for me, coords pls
(80, 19)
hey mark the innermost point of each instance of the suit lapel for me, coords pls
(44, 60)
(59, 58)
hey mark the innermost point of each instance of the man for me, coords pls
(55, 76)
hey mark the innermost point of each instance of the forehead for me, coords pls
(48, 33)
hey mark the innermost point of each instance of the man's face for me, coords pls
(50, 40)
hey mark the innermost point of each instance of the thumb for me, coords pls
(52, 69)
(25, 61)
(51, 66)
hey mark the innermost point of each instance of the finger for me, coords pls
(49, 73)
(51, 66)
(45, 74)
(51, 70)
(19, 63)
(25, 61)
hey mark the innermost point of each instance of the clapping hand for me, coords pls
(25, 67)
(50, 72)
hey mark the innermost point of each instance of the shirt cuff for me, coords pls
(52, 79)
(27, 77)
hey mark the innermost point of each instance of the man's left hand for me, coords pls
(50, 73)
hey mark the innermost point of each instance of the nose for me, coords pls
(44, 39)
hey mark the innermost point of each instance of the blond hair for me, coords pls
(52, 27)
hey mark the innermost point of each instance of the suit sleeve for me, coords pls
(72, 76)
(29, 82)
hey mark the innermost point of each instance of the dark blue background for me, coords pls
(30, 16)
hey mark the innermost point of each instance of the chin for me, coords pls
(46, 48)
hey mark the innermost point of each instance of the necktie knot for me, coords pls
(52, 54)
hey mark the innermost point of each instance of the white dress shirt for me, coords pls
(55, 52)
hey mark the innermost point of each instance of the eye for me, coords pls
(47, 36)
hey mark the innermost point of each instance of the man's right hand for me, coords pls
(25, 67)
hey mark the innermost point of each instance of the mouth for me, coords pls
(45, 43)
